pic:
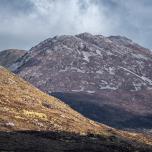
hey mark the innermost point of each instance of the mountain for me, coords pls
(7, 57)
(108, 79)
(31, 120)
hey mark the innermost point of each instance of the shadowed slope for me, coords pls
(103, 109)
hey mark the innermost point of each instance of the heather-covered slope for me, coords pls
(114, 70)
(30, 120)
(7, 57)
(21, 102)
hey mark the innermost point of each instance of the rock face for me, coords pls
(110, 73)
(7, 57)
(31, 120)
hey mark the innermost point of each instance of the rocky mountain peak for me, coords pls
(98, 55)
(114, 70)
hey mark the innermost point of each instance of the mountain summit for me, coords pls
(113, 63)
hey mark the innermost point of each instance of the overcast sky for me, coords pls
(24, 23)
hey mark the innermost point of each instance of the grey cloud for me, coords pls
(138, 22)
(15, 7)
(23, 23)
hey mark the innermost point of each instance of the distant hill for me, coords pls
(7, 57)
(30, 120)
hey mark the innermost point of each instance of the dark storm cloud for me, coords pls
(23, 23)
(15, 7)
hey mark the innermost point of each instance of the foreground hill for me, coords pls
(7, 57)
(110, 74)
(20, 103)
(30, 120)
